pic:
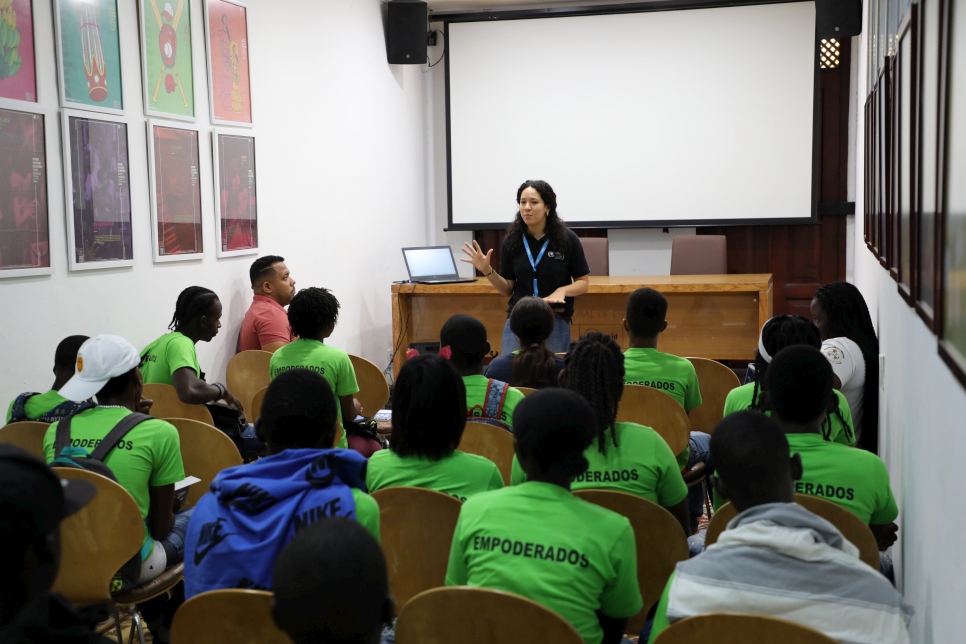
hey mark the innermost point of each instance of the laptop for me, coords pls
(432, 265)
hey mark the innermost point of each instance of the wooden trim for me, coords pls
(615, 284)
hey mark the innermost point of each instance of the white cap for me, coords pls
(98, 360)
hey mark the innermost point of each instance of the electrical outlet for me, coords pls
(882, 371)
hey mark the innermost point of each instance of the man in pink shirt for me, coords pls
(266, 324)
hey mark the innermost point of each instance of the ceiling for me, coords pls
(453, 6)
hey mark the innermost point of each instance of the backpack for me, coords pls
(67, 456)
(492, 405)
(67, 408)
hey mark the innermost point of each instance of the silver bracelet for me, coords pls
(222, 390)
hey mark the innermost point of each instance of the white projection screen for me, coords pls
(657, 118)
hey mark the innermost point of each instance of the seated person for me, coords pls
(428, 418)
(799, 383)
(779, 332)
(331, 585)
(313, 314)
(50, 407)
(533, 364)
(538, 540)
(625, 457)
(33, 502)
(266, 326)
(487, 400)
(776, 558)
(253, 510)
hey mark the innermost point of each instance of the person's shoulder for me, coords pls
(382, 457)
(365, 504)
(635, 433)
(740, 394)
(464, 459)
(572, 237)
(512, 393)
(840, 349)
(481, 502)
(607, 523)
(676, 361)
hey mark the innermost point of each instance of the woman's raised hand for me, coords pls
(479, 261)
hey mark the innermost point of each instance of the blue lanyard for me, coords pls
(533, 264)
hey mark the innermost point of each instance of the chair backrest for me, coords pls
(416, 529)
(257, 404)
(715, 381)
(661, 543)
(597, 255)
(739, 629)
(96, 541)
(168, 405)
(205, 451)
(656, 409)
(231, 615)
(373, 388)
(27, 434)
(699, 255)
(489, 441)
(851, 526)
(481, 616)
(526, 391)
(247, 373)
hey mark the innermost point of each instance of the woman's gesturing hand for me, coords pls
(479, 261)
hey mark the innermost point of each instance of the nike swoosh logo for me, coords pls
(201, 553)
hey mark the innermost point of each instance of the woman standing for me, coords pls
(540, 257)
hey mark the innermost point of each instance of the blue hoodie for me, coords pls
(252, 511)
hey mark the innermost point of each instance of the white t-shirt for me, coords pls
(848, 364)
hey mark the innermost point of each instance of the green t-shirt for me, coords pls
(329, 362)
(672, 374)
(459, 474)
(740, 398)
(367, 512)
(476, 387)
(148, 456)
(540, 541)
(642, 464)
(37, 406)
(660, 615)
(855, 479)
(167, 354)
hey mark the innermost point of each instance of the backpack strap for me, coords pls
(123, 426)
(62, 437)
(65, 409)
(493, 404)
(19, 411)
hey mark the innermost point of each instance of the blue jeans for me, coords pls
(558, 342)
(174, 543)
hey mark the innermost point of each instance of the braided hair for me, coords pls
(848, 316)
(785, 331)
(193, 302)
(556, 229)
(595, 370)
(532, 322)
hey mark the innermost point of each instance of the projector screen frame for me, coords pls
(608, 9)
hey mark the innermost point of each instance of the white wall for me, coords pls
(341, 185)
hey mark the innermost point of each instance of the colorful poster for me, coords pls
(100, 193)
(18, 74)
(89, 54)
(235, 190)
(24, 241)
(954, 291)
(176, 190)
(229, 81)
(166, 58)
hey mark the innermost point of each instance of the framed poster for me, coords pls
(167, 66)
(97, 191)
(18, 70)
(236, 205)
(24, 228)
(906, 146)
(229, 81)
(174, 169)
(89, 55)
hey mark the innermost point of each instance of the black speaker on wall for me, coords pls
(407, 26)
(838, 18)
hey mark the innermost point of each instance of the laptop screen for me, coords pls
(431, 262)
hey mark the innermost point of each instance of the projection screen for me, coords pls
(659, 118)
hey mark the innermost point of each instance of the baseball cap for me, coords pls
(98, 360)
(28, 485)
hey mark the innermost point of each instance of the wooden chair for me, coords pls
(656, 409)
(205, 451)
(96, 542)
(257, 404)
(230, 615)
(716, 381)
(492, 442)
(373, 388)
(661, 543)
(247, 373)
(481, 616)
(739, 629)
(526, 391)
(416, 529)
(27, 434)
(168, 405)
(847, 523)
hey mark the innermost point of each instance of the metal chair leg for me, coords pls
(136, 624)
(117, 626)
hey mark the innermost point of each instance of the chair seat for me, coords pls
(151, 589)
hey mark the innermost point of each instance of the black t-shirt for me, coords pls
(559, 267)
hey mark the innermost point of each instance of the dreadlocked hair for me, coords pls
(193, 302)
(556, 229)
(532, 322)
(848, 316)
(595, 370)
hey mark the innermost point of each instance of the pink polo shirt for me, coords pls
(265, 322)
